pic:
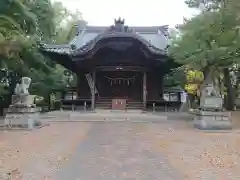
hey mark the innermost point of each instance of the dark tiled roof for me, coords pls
(90, 45)
(61, 49)
(88, 36)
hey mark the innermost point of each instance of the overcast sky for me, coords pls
(135, 12)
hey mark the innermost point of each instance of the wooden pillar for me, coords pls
(161, 86)
(78, 86)
(144, 90)
(93, 90)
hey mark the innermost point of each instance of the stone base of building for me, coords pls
(209, 120)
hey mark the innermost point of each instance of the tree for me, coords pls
(65, 22)
(228, 8)
(45, 18)
(212, 46)
(23, 24)
(15, 22)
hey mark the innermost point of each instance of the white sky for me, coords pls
(135, 12)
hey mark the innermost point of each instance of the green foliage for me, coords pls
(205, 4)
(210, 41)
(23, 24)
(215, 42)
(65, 23)
(44, 13)
(215, 5)
(175, 78)
(17, 12)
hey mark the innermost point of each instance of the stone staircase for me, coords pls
(104, 103)
(133, 104)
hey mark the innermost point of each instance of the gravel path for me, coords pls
(37, 154)
(197, 154)
(165, 150)
(117, 151)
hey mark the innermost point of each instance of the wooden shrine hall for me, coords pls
(117, 67)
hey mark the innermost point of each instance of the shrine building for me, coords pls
(117, 67)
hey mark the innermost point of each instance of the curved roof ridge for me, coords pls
(144, 29)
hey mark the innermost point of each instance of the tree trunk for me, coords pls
(13, 82)
(207, 76)
(207, 80)
(190, 99)
(229, 98)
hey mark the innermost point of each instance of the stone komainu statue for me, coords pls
(22, 88)
(210, 90)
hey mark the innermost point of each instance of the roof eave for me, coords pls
(63, 59)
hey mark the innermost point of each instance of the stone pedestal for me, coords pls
(210, 115)
(210, 120)
(211, 103)
(23, 112)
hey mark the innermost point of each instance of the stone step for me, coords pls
(103, 102)
(112, 115)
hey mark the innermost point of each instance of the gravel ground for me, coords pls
(117, 151)
(37, 154)
(169, 150)
(198, 155)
